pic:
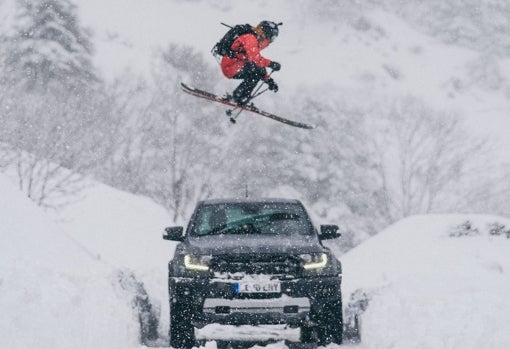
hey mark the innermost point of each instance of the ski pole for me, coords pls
(258, 94)
(255, 94)
(234, 118)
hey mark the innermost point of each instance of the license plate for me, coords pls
(257, 287)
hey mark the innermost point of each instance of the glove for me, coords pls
(272, 85)
(275, 66)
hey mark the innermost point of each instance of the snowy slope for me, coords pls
(429, 290)
(53, 292)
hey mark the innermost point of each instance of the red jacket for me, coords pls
(249, 51)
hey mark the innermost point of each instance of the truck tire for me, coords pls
(306, 335)
(182, 331)
(330, 324)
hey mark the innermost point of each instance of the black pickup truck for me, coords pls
(254, 261)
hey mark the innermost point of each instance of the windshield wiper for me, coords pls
(252, 224)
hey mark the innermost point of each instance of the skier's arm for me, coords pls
(251, 47)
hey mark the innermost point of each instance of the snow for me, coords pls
(429, 290)
(125, 232)
(426, 289)
(53, 292)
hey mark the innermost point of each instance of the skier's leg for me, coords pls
(251, 75)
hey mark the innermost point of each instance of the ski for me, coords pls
(250, 107)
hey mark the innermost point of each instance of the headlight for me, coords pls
(314, 260)
(197, 263)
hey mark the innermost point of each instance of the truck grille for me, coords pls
(256, 264)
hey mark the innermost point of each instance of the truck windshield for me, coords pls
(251, 218)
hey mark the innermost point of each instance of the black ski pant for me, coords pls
(251, 74)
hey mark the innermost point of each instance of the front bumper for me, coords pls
(212, 301)
(287, 310)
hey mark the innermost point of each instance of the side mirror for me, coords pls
(329, 232)
(174, 234)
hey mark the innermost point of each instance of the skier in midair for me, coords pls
(238, 53)
(248, 64)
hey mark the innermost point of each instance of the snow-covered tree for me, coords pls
(50, 46)
(479, 24)
(55, 115)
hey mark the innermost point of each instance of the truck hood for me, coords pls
(240, 244)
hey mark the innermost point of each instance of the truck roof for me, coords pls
(218, 201)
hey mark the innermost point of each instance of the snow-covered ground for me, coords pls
(427, 289)
(54, 292)
(58, 285)
(125, 232)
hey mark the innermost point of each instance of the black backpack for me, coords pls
(223, 47)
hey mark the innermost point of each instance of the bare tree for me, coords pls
(170, 146)
(328, 167)
(128, 168)
(187, 141)
(333, 164)
(422, 156)
(47, 183)
(48, 139)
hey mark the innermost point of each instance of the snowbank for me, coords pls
(124, 231)
(53, 292)
(427, 289)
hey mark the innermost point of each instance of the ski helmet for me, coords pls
(270, 29)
